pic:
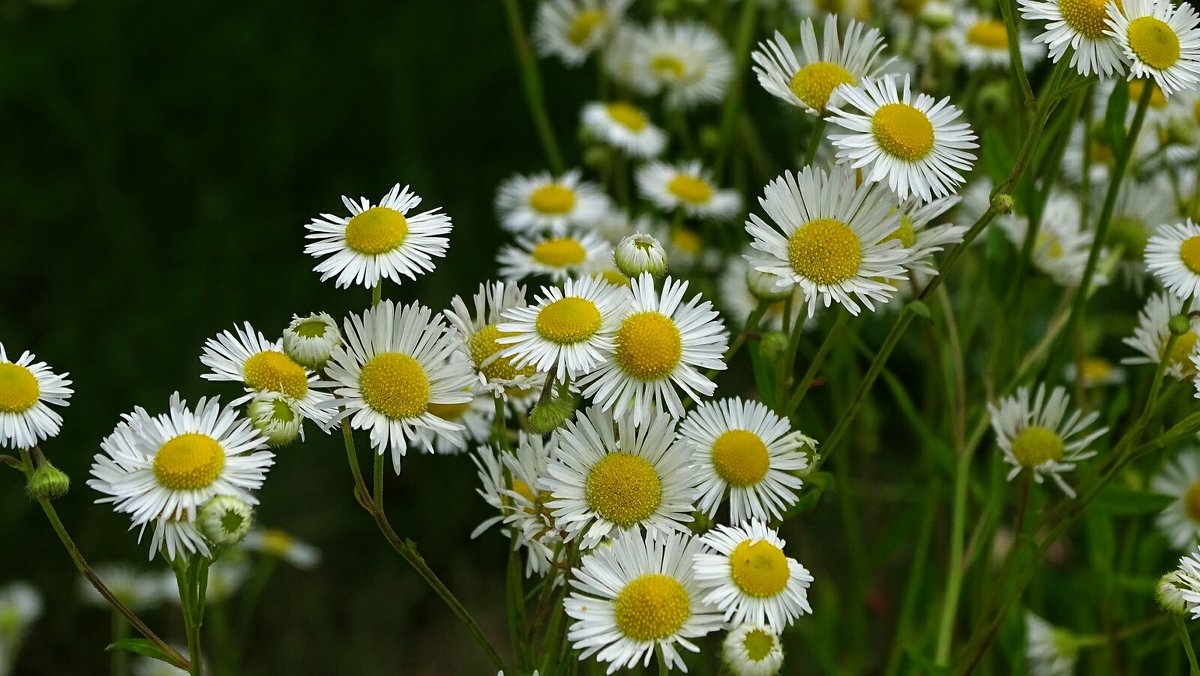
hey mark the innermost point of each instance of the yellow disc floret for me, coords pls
(988, 33)
(189, 462)
(1154, 42)
(1189, 253)
(1036, 445)
(276, 372)
(395, 385)
(449, 411)
(759, 568)
(626, 115)
(687, 241)
(376, 230)
(1191, 502)
(652, 607)
(1138, 87)
(690, 189)
(903, 131)
(1182, 350)
(1086, 16)
(584, 25)
(559, 252)
(624, 488)
(906, 234)
(667, 66)
(568, 320)
(18, 388)
(740, 458)
(814, 83)
(648, 346)
(825, 251)
(552, 198)
(483, 348)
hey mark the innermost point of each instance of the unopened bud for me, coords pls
(640, 253)
(548, 416)
(276, 416)
(1180, 325)
(937, 15)
(47, 481)
(1169, 594)
(1002, 203)
(765, 286)
(596, 156)
(773, 345)
(224, 520)
(310, 340)
(710, 137)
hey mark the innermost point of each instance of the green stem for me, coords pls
(532, 82)
(733, 100)
(119, 660)
(1008, 10)
(377, 293)
(814, 141)
(1186, 639)
(817, 361)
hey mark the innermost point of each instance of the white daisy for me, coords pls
(378, 242)
(922, 239)
(910, 140)
(1180, 479)
(1094, 372)
(176, 538)
(610, 476)
(686, 61)
(623, 125)
(1188, 580)
(809, 79)
(687, 186)
(1079, 25)
(533, 204)
(746, 575)
(1049, 650)
(1173, 255)
(830, 237)
(278, 543)
(663, 343)
(394, 366)
(742, 447)
(1153, 331)
(1061, 249)
(1038, 435)
(982, 42)
(557, 256)
(752, 650)
(1140, 207)
(572, 29)
(478, 330)
(509, 483)
(27, 390)
(567, 332)
(310, 340)
(637, 597)
(1160, 39)
(20, 606)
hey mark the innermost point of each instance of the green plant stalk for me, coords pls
(532, 82)
(1008, 11)
(733, 100)
(817, 361)
(1186, 640)
(119, 660)
(191, 602)
(814, 141)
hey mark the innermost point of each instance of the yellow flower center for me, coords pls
(1049, 245)
(276, 372)
(690, 189)
(1191, 502)
(1189, 253)
(759, 569)
(1036, 445)
(740, 458)
(814, 83)
(395, 385)
(910, 7)
(449, 411)
(1096, 368)
(584, 24)
(18, 388)
(560, 252)
(988, 33)
(1157, 99)
(568, 320)
(277, 542)
(614, 277)
(903, 131)
(376, 230)
(667, 66)
(1085, 16)
(483, 345)
(1182, 350)
(648, 346)
(1153, 41)
(521, 488)
(624, 488)
(189, 462)
(652, 607)
(906, 234)
(758, 644)
(687, 241)
(627, 116)
(825, 250)
(552, 198)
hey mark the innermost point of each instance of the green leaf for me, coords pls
(927, 665)
(140, 646)
(919, 308)
(1123, 501)
(996, 156)
(1114, 116)
(815, 484)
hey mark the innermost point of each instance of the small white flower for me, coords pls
(1049, 650)
(572, 29)
(624, 126)
(686, 61)
(275, 542)
(478, 329)
(1078, 25)
(558, 257)
(532, 205)
(1180, 479)
(138, 589)
(1061, 249)
(1153, 331)
(753, 650)
(27, 390)
(1160, 39)
(982, 42)
(1173, 256)
(520, 502)
(687, 186)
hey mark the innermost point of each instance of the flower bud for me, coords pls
(224, 520)
(1169, 595)
(596, 156)
(937, 15)
(640, 253)
(548, 416)
(1002, 203)
(310, 340)
(276, 416)
(1180, 325)
(764, 286)
(47, 481)
(773, 345)
(710, 137)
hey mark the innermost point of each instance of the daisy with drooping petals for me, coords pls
(573, 29)
(663, 343)
(1153, 331)
(246, 356)
(568, 330)
(623, 125)
(378, 242)
(1160, 39)
(1173, 256)
(687, 186)
(1079, 25)
(1037, 435)
(742, 447)
(638, 597)
(830, 237)
(752, 650)
(911, 142)
(1180, 479)
(809, 79)
(687, 61)
(555, 256)
(395, 365)
(543, 202)
(520, 503)
(982, 42)
(28, 389)
(746, 575)
(164, 467)
(609, 476)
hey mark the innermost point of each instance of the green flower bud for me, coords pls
(773, 345)
(276, 416)
(1179, 325)
(47, 481)
(546, 417)
(1169, 595)
(640, 253)
(596, 156)
(310, 340)
(1003, 203)
(224, 520)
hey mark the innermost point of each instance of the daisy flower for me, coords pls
(166, 466)
(609, 475)
(534, 204)
(687, 186)
(555, 256)
(1139, 209)
(1061, 249)
(637, 597)
(1038, 435)
(475, 416)
(809, 79)
(1180, 479)
(1173, 255)
(1049, 650)
(1081, 26)
(663, 343)
(246, 356)
(510, 484)
(378, 242)
(28, 389)
(982, 42)
(310, 340)
(746, 575)
(830, 237)
(911, 141)
(741, 447)
(280, 544)
(623, 125)
(477, 328)
(1160, 40)
(686, 61)
(567, 332)
(20, 606)
(572, 29)
(752, 650)
(1095, 372)
(1153, 331)
(923, 240)
(1188, 581)
(394, 366)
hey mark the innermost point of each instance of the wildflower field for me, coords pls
(727, 337)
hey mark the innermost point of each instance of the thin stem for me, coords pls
(814, 141)
(1008, 10)
(377, 293)
(377, 494)
(1186, 639)
(818, 360)
(532, 82)
(119, 660)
